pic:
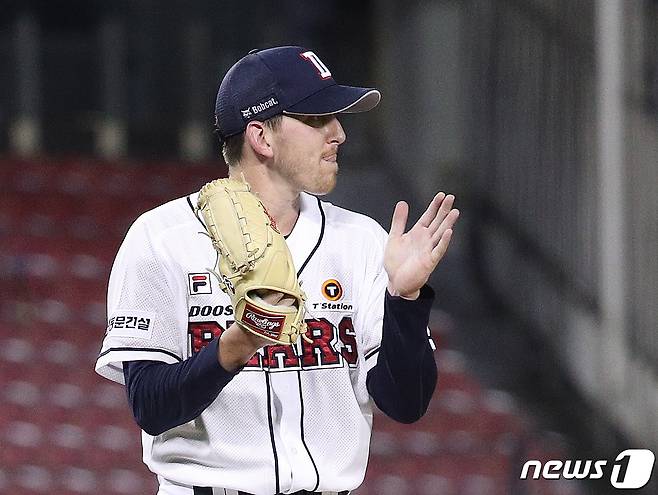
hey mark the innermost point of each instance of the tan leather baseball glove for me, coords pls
(253, 257)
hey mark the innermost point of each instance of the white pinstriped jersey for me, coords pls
(295, 417)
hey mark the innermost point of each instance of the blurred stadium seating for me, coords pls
(65, 430)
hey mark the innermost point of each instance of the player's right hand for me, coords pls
(276, 298)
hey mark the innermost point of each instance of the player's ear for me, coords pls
(257, 136)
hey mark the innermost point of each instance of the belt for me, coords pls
(199, 490)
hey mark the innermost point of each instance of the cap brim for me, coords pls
(337, 99)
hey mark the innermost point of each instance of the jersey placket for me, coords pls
(297, 470)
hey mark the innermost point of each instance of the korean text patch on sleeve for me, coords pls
(128, 323)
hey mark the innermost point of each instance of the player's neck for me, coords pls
(283, 209)
(280, 199)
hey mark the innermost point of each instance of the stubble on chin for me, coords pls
(323, 190)
(324, 185)
(318, 182)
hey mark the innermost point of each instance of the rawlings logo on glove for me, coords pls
(263, 323)
(253, 257)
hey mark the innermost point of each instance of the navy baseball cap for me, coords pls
(286, 79)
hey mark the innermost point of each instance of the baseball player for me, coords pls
(225, 410)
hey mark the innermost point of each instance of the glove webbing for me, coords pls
(253, 253)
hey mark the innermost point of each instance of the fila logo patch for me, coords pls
(199, 283)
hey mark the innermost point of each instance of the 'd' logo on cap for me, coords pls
(332, 290)
(323, 70)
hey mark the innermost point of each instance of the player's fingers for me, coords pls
(287, 301)
(442, 246)
(451, 219)
(448, 223)
(280, 299)
(270, 296)
(399, 220)
(442, 212)
(426, 219)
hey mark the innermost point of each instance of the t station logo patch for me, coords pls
(199, 283)
(332, 290)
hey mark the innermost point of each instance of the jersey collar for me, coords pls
(307, 233)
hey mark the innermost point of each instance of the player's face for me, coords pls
(306, 152)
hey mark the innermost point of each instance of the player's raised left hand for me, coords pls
(411, 257)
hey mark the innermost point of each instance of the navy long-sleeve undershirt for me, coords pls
(404, 378)
(164, 395)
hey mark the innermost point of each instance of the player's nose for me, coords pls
(336, 132)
